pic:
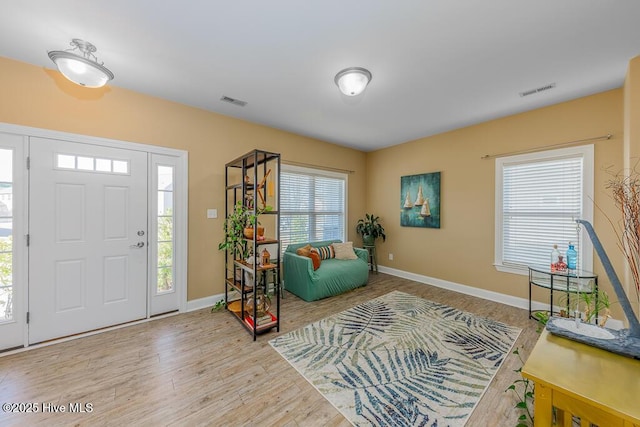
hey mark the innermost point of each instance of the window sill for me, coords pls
(521, 270)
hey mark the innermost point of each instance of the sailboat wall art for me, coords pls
(420, 200)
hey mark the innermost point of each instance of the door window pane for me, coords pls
(165, 228)
(66, 161)
(103, 165)
(165, 254)
(165, 223)
(165, 203)
(85, 163)
(120, 166)
(165, 279)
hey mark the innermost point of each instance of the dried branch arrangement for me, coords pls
(625, 190)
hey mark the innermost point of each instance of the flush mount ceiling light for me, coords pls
(80, 65)
(352, 81)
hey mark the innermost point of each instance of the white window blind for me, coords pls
(541, 196)
(312, 205)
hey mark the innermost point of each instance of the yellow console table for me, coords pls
(599, 387)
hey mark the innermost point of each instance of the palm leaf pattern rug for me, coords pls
(400, 360)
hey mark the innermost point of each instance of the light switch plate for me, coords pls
(212, 213)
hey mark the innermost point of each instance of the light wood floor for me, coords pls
(203, 368)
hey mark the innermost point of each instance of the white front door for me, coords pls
(88, 237)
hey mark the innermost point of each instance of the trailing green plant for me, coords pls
(524, 388)
(370, 226)
(219, 305)
(234, 225)
(543, 318)
(241, 217)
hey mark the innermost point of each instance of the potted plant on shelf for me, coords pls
(238, 227)
(253, 223)
(370, 229)
(234, 238)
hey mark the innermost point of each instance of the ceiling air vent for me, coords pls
(537, 90)
(233, 101)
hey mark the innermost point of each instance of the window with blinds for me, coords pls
(538, 198)
(312, 205)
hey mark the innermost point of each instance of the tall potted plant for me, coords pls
(370, 229)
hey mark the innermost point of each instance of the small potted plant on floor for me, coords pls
(370, 229)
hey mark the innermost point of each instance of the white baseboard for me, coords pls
(523, 303)
(481, 293)
(467, 290)
(206, 302)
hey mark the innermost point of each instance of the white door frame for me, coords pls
(17, 327)
(181, 202)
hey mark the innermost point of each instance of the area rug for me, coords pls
(400, 360)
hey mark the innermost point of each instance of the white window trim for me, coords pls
(332, 174)
(586, 151)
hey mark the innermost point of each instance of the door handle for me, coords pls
(137, 245)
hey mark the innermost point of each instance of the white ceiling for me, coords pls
(437, 65)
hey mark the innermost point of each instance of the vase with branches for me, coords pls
(625, 191)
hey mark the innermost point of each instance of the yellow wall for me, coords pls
(33, 96)
(462, 250)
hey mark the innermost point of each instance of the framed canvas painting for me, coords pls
(420, 200)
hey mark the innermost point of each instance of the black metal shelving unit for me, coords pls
(254, 179)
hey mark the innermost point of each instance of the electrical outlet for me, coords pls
(390, 257)
(212, 213)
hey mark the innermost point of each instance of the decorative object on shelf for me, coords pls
(234, 306)
(265, 257)
(425, 210)
(625, 342)
(555, 258)
(82, 68)
(262, 303)
(572, 257)
(249, 230)
(353, 81)
(370, 229)
(249, 277)
(260, 189)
